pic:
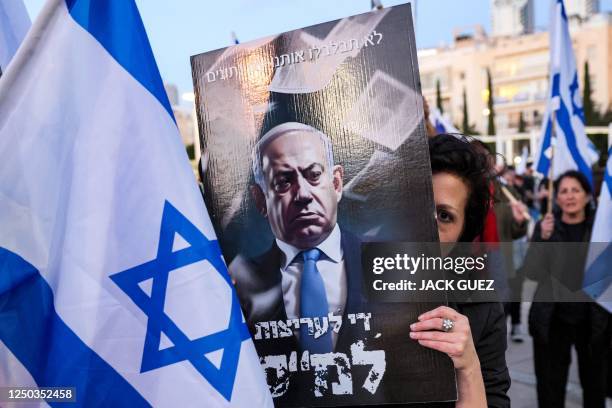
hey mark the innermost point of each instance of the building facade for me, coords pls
(184, 114)
(512, 17)
(581, 8)
(519, 71)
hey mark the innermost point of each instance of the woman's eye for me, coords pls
(445, 217)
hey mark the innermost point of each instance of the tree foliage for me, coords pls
(490, 105)
(439, 96)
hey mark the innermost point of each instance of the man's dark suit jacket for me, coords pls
(258, 284)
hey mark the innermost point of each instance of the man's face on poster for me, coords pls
(302, 192)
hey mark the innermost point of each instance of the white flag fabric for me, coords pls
(522, 166)
(111, 278)
(573, 149)
(441, 123)
(14, 24)
(598, 275)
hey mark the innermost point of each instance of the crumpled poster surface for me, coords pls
(356, 81)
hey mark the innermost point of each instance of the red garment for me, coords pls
(489, 232)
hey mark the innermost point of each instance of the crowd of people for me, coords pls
(555, 323)
(524, 212)
(479, 200)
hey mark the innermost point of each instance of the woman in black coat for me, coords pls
(559, 271)
(477, 342)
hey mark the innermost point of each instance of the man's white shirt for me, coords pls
(331, 267)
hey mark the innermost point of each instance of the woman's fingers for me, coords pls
(458, 338)
(436, 324)
(547, 226)
(452, 349)
(429, 324)
(519, 211)
(443, 312)
(456, 343)
(549, 220)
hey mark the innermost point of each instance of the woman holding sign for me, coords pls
(473, 335)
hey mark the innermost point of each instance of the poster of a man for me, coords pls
(316, 146)
(316, 262)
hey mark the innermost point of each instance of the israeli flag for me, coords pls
(598, 276)
(522, 166)
(573, 149)
(111, 278)
(14, 24)
(440, 122)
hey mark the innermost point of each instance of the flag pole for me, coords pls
(376, 4)
(550, 176)
(513, 200)
(555, 102)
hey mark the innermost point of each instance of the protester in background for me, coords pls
(489, 232)
(519, 186)
(500, 167)
(496, 269)
(477, 340)
(529, 190)
(511, 225)
(542, 197)
(429, 128)
(555, 327)
(508, 176)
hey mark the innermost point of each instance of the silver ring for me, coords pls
(447, 325)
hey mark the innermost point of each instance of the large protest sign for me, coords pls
(314, 142)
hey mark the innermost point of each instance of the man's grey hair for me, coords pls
(280, 130)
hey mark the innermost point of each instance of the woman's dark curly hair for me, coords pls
(455, 154)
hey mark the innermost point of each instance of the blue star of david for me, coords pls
(184, 349)
(576, 110)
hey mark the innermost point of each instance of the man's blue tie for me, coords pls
(313, 303)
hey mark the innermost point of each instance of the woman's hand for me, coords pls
(542, 193)
(546, 226)
(519, 212)
(457, 343)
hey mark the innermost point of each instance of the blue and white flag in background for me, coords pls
(441, 123)
(597, 276)
(14, 24)
(522, 166)
(573, 149)
(111, 278)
